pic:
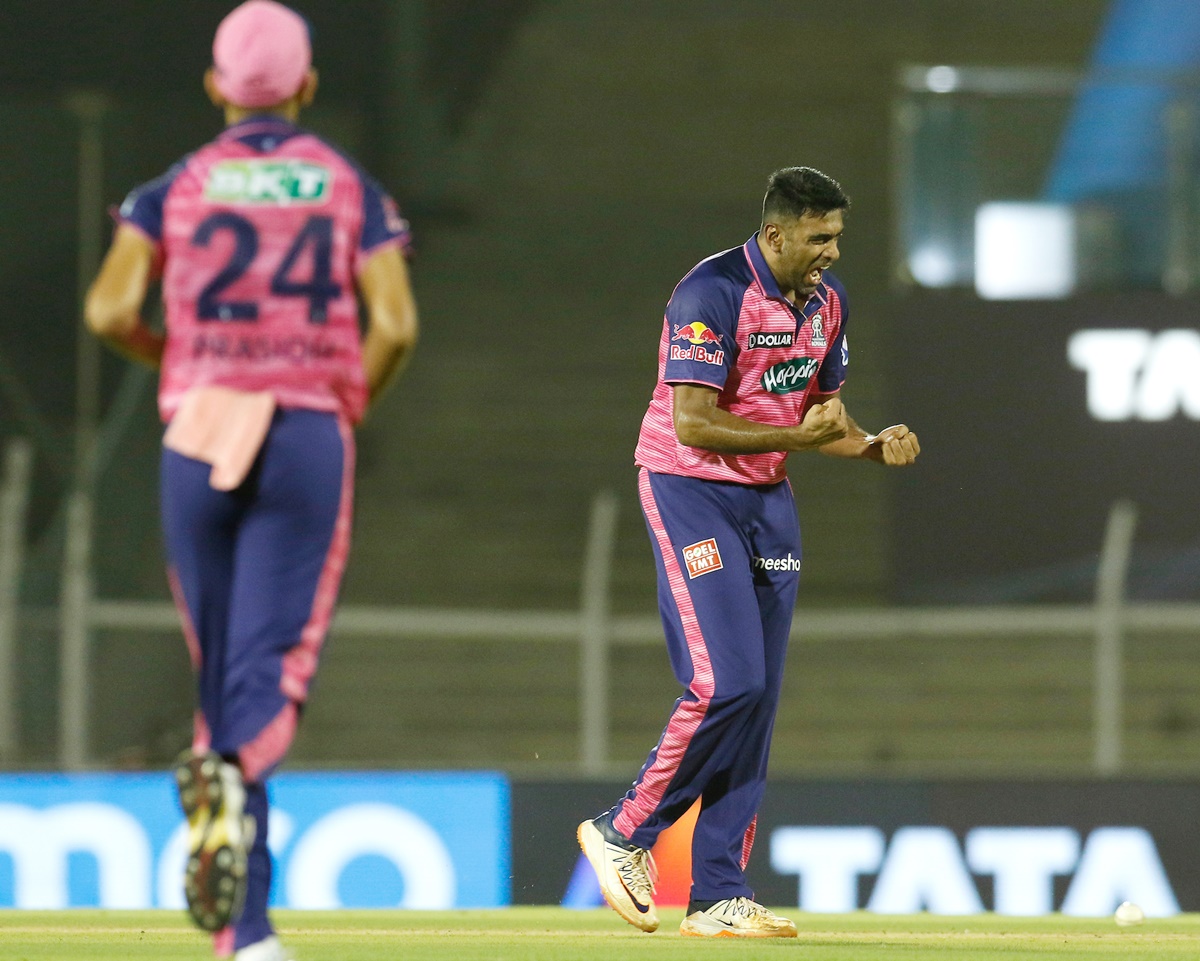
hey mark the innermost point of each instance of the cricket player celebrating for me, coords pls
(752, 358)
(264, 239)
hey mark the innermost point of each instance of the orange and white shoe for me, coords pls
(625, 871)
(737, 918)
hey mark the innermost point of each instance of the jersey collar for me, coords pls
(261, 131)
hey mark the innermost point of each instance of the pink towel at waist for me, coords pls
(223, 427)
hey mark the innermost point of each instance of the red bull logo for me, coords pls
(696, 333)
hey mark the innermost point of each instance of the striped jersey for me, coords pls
(260, 237)
(729, 326)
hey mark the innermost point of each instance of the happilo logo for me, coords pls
(1137, 374)
(268, 182)
(697, 335)
(702, 557)
(789, 375)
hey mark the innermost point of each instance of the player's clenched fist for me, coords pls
(897, 445)
(825, 422)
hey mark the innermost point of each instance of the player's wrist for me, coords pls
(141, 343)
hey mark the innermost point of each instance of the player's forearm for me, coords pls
(392, 326)
(722, 432)
(385, 354)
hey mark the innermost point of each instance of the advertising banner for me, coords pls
(1026, 848)
(353, 840)
(1034, 417)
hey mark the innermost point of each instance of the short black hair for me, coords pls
(793, 192)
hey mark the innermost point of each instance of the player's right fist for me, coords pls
(825, 422)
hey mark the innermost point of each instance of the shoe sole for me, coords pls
(216, 876)
(690, 930)
(639, 921)
(727, 933)
(724, 934)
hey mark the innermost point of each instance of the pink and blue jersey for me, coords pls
(261, 235)
(728, 326)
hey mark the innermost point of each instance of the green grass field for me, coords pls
(555, 934)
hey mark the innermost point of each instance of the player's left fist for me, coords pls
(897, 446)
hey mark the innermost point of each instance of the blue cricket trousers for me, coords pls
(728, 559)
(255, 573)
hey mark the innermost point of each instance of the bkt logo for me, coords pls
(268, 181)
(383, 840)
(1139, 375)
(926, 869)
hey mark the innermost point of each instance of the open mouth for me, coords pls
(814, 276)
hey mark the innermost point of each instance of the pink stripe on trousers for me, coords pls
(688, 715)
(300, 663)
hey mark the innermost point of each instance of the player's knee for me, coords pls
(743, 692)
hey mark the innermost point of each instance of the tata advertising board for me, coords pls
(361, 840)
(1034, 418)
(949, 848)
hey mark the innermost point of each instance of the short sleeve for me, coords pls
(382, 222)
(701, 331)
(832, 374)
(143, 206)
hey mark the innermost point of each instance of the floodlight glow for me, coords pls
(941, 79)
(932, 265)
(1024, 251)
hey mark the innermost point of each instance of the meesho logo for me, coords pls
(1139, 375)
(268, 181)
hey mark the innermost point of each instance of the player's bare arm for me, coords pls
(894, 446)
(392, 326)
(113, 308)
(699, 422)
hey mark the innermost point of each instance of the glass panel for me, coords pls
(1112, 154)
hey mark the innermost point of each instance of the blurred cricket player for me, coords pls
(751, 363)
(264, 240)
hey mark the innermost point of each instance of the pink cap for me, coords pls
(261, 54)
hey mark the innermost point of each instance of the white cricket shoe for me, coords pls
(268, 949)
(625, 871)
(220, 834)
(737, 918)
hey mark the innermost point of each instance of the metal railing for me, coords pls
(593, 628)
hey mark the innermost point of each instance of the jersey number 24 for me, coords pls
(319, 288)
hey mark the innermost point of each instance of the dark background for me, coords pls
(564, 163)
(1017, 478)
